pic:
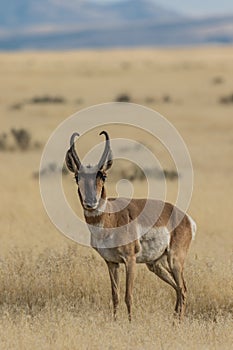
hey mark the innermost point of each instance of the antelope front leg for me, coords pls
(113, 269)
(130, 266)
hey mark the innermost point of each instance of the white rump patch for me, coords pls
(193, 226)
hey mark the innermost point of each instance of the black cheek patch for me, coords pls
(101, 176)
(80, 196)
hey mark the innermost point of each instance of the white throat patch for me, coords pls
(97, 212)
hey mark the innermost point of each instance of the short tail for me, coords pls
(193, 226)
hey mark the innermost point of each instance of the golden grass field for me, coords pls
(54, 293)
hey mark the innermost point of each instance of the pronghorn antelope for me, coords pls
(160, 239)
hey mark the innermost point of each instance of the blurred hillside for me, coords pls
(55, 12)
(55, 24)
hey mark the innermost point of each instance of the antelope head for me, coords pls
(90, 179)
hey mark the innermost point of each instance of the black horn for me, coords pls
(73, 152)
(107, 154)
(72, 155)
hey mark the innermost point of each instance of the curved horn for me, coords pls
(73, 137)
(72, 149)
(106, 156)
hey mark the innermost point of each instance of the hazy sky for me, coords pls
(195, 7)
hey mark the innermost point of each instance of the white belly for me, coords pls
(153, 244)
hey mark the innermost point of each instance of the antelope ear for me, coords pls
(107, 165)
(70, 163)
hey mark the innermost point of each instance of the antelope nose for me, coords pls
(90, 205)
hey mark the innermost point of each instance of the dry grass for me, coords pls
(55, 294)
(62, 300)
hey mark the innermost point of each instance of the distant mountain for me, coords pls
(59, 24)
(25, 13)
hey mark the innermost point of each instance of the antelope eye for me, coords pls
(104, 177)
(101, 175)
